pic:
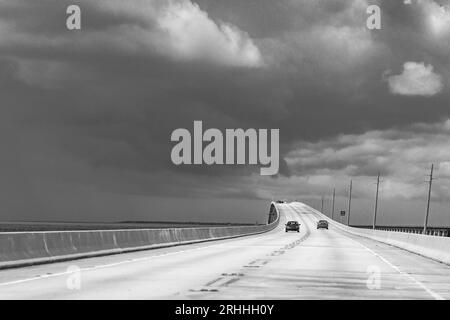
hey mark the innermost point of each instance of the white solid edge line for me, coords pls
(44, 276)
(100, 266)
(410, 277)
(407, 275)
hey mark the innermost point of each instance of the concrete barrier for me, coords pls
(28, 248)
(436, 248)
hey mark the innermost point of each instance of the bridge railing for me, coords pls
(436, 248)
(432, 231)
(28, 248)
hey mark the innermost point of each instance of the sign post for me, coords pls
(342, 215)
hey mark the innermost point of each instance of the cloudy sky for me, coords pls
(86, 115)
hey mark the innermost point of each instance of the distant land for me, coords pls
(76, 226)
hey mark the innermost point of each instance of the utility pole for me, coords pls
(349, 202)
(332, 206)
(321, 210)
(376, 203)
(425, 224)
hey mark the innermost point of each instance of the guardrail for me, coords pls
(28, 248)
(436, 248)
(432, 231)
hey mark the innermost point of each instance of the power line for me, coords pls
(376, 203)
(425, 224)
(321, 208)
(349, 202)
(332, 210)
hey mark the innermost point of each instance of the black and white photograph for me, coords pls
(225, 156)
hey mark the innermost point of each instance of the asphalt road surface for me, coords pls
(311, 264)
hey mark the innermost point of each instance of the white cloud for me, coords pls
(178, 29)
(438, 18)
(403, 158)
(188, 33)
(444, 169)
(417, 79)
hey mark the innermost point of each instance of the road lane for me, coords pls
(332, 264)
(312, 264)
(159, 273)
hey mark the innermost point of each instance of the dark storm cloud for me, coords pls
(97, 106)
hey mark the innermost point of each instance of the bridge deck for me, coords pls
(312, 264)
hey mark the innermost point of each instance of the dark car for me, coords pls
(322, 224)
(292, 226)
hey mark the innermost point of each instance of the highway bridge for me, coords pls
(311, 264)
